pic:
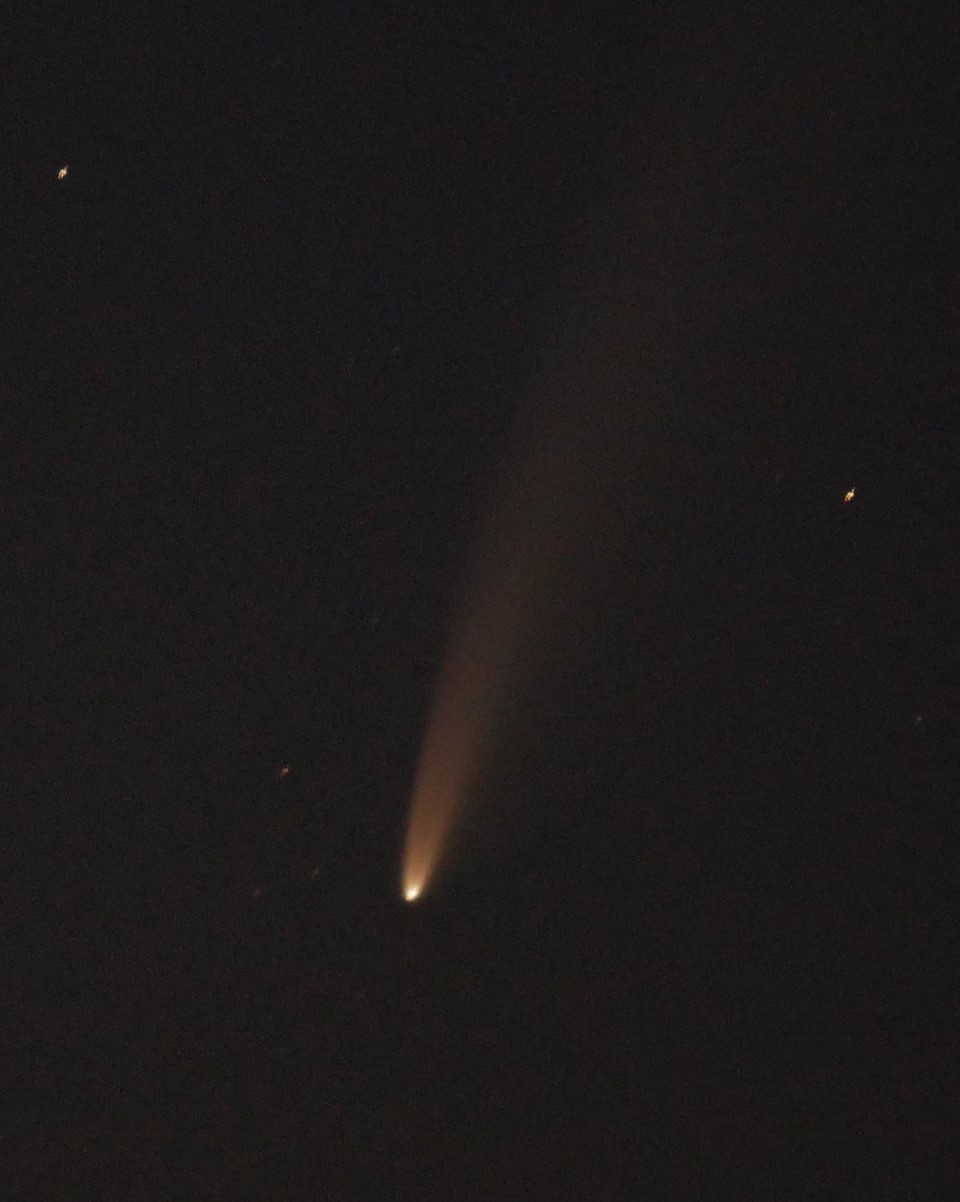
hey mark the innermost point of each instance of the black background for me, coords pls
(265, 348)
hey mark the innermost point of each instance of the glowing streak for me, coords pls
(666, 300)
(63, 172)
(518, 595)
(849, 494)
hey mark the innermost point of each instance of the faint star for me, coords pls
(849, 494)
(63, 172)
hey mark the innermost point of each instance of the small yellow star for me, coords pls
(63, 172)
(849, 494)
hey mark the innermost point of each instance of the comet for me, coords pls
(647, 373)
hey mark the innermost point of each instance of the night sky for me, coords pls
(269, 343)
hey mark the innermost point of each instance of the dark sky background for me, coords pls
(266, 348)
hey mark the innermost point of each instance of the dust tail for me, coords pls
(685, 278)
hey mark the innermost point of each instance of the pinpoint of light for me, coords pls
(63, 172)
(849, 494)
